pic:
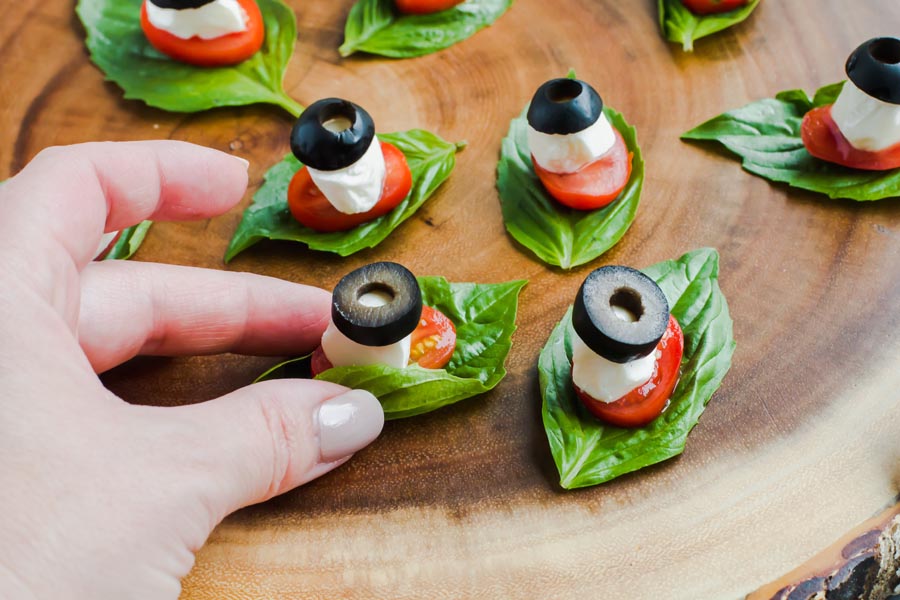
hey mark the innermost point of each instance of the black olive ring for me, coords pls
(600, 327)
(874, 68)
(377, 325)
(564, 106)
(324, 149)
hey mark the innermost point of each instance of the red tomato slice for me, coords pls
(708, 7)
(824, 140)
(318, 362)
(433, 343)
(221, 51)
(434, 340)
(424, 7)
(641, 405)
(312, 209)
(594, 185)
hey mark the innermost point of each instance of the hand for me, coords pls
(100, 498)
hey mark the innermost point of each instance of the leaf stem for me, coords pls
(687, 40)
(288, 104)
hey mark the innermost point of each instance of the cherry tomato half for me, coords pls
(312, 209)
(434, 340)
(708, 7)
(318, 362)
(433, 343)
(221, 51)
(424, 7)
(823, 139)
(641, 405)
(594, 185)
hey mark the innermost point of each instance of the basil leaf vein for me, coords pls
(766, 135)
(374, 26)
(120, 49)
(430, 158)
(588, 452)
(559, 235)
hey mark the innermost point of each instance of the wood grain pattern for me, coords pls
(799, 445)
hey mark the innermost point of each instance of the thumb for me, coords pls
(273, 436)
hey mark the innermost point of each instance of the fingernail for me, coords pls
(244, 161)
(348, 423)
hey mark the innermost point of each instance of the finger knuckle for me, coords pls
(282, 428)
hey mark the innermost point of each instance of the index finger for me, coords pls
(69, 195)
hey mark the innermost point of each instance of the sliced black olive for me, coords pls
(875, 68)
(377, 325)
(606, 302)
(332, 134)
(181, 4)
(564, 106)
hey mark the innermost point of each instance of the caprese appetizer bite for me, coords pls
(712, 7)
(424, 7)
(349, 176)
(843, 142)
(416, 343)
(193, 55)
(861, 129)
(570, 174)
(378, 318)
(630, 368)
(205, 33)
(343, 188)
(408, 28)
(581, 159)
(686, 21)
(627, 348)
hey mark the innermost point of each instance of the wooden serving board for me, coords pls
(798, 446)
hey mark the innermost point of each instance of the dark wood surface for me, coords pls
(799, 445)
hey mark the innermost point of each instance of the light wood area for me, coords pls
(800, 444)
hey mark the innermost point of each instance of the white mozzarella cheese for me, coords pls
(568, 153)
(341, 351)
(207, 22)
(357, 188)
(868, 123)
(605, 380)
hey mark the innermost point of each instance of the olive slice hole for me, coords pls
(374, 295)
(564, 90)
(627, 305)
(337, 124)
(886, 50)
(337, 118)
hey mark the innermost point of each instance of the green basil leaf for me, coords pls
(588, 452)
(766, 135)
(118, 46)
(129, 242)
(559, 235)
(374, 26)
(485, 319)
(430, 158)
(680, 25)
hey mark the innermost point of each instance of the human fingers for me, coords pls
(130, 308)
(273, 436)
(59, 205)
